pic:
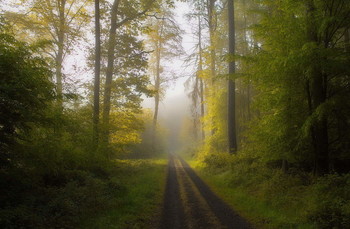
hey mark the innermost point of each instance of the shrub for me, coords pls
(329, 202)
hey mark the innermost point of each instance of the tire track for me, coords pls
(223, 212)
(197, 212)
(173, 216)
(190, 204)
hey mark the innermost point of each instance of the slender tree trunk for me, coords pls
(246, 49)
(211, 22)
(59, 57)
(231, 119)
(157, 96)
(96, 111)
(109, 73)
(202, 107)
(195, 112)
(155, 120)
(195, 130)
(59, 60)
(200, 69)
(318, 91)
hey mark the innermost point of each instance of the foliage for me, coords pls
(52, 177)
(329, 202)
(144, 181)
(47, 20)
(164, 43)
(25, 91)
(145, 148)
(281, 70)
(273, 199)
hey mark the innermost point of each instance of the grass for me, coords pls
(138, 204)
(258, 211)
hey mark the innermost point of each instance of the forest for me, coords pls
(256, 135)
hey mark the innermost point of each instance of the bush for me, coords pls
(298, 198)
(80, 194)
(329, 202)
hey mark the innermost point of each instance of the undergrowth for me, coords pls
(138, 206)
(120, 194)
(271, 198)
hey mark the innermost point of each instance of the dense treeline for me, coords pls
(47, 175)
(301, 75)
(292, 76)
(58, 164)
(292, 101)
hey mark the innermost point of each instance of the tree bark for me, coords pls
(246, 49)
(210, 7)
(231, 117)
(110, 63)
(202, 107)
(60, 47)
(200, 69)
(156, 96)
(96, 109)
(195, 112)
(109, 73)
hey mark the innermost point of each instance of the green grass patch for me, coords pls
(138, 204)
(270, 198)
(250, 203)
(255, 210)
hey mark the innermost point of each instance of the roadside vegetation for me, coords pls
(269, 198)
(139, 200)
(288, 136)
(52, 173)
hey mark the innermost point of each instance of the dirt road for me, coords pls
(190, 204)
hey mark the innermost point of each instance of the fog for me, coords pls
(173, 109)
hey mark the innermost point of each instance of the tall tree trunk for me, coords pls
(195, 112)
(96, 112)
(202, 107)
(157, 96)
(211, 22)
(318, 89)
(59, 57)
(109, 73)
(246, 50)
(231, 117)
(200, 69)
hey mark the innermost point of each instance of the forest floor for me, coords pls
(139, 202)
(189, 202)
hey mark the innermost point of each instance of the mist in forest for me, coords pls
(173, 110)
(253, 95)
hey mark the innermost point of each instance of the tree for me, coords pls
(211, 18)
(196, 81)
(126, 16)
(323, 35)
(60, 22)
(165, 41)
(25, 91)
(231, 119)
(301, 78)
(96, 110)
(200, 73)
